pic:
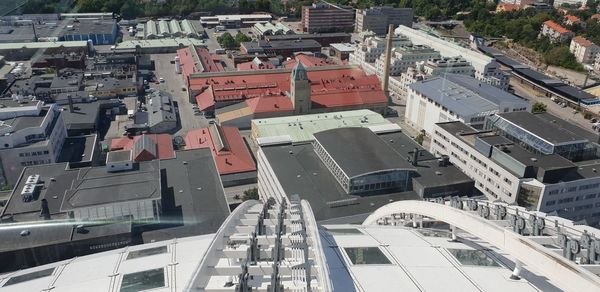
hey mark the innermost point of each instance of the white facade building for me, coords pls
(404, 57)
(430, 68)
(503, 170)
(486, 68)
(29, 135)
(373, 47)
(456, 98)
(584, 50)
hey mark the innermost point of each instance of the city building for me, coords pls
(486, 254)
(283, 92)
(326, 17)
(432, 67)
(325, 39)
(145, 147)
(234, 161)
(197, 59)
(285, 48)
(508, 171)
(584, 50)
(573, 20)
(349, 172)
(487, 69)
(164, 29)
(235, 20)
(559, 3)
(82, 115)
(154, 46)
(157, 116)
(177, 197)
(404, 57)
(377, 19)
(255, 64)
(263, 29)
(456, 98)
(99, 31)
(555, 32)
(31, 134)
(597, 63)
(373, 47)
(341, 51)
(109, 88)
(300, 129)
(61, 61)
(25, 51)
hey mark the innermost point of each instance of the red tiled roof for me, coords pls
(508, 7)
(206, 61)
(556, 27)
(252, 65)
(205, 100)
(573, 18)
(308, 61)
(233, 158)
(267, 104)
(164, 144)
(331, 87)
(582, 41)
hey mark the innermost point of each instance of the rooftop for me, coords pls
(465, 95)
(163, 144)
(556, 27)
(548, 130)
(78, 149)
(364, 153)
(301, 128)
(582, 41)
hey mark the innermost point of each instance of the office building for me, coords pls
(486, 254)
(457, 98)
(349, 172)
(584, 50)
(487, 69)
(373, 47)
(512, 171)
(31, 134)
(158, 116)
(404, 57)
(377, 19)
(235, 20)
(325, 39)
(165, 29)
(326, 17)
(432, 67)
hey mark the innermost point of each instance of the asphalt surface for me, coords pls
(175, 85)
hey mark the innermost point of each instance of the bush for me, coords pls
(539, 107)
(250, 194)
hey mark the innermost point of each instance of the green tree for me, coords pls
(227, 41)
(240, 38)
(539, 107)
(250, 194)
(561, 56)
(420, 138)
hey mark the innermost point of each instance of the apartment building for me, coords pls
(404, 57)
(377, 19)
(555, 32)
(430, 68)
(584, 50)
(31, 133)
(325, 17)
(456, 98)
(504, 170)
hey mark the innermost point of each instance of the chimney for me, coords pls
(45, 211)
(386, 68)
(415, 157)
(70, 103)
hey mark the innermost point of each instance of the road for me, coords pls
(566, 114)
(174, 85)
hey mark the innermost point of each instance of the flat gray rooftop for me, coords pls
(20, 123)
(553, 132)
(78, 149)
(118, 155)
(303, 173)
(359, 151)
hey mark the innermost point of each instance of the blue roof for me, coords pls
(464, 95)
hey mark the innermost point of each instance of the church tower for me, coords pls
(300, 90)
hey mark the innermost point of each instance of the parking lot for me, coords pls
(175, 85)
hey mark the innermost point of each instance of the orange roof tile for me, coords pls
(556, 27)
(573, 18)
(582, 41)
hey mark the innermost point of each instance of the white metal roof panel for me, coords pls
(382, 278)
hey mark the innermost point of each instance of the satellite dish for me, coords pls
(179, 141)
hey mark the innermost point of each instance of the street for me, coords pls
(175, 85)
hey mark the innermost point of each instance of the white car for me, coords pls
(161, 79)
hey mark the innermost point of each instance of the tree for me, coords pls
(539, 107)
(250, 194)
(240, 38)
(227, 41)
(419, 139)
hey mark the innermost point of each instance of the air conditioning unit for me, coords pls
(33, 179)
(27, 192)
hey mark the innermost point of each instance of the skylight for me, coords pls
(29, 276)
(366, 256)
(143, 280)
(344, 231)
(469, 257)
(146, 252)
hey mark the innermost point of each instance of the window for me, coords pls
(146, 252)
(143, 280)
(28, 277)
(366, 256)
(469, 257)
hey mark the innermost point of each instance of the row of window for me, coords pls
(36, 162)
(573, 189)
(571, 199)
(34, 153)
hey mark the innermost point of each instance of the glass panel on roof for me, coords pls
(469, 257)
(29, 276)
(343, 231)
(143, 280)
(366, 256)
(434, 233)
(146, 252)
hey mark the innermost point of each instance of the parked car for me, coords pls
(161, 79)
